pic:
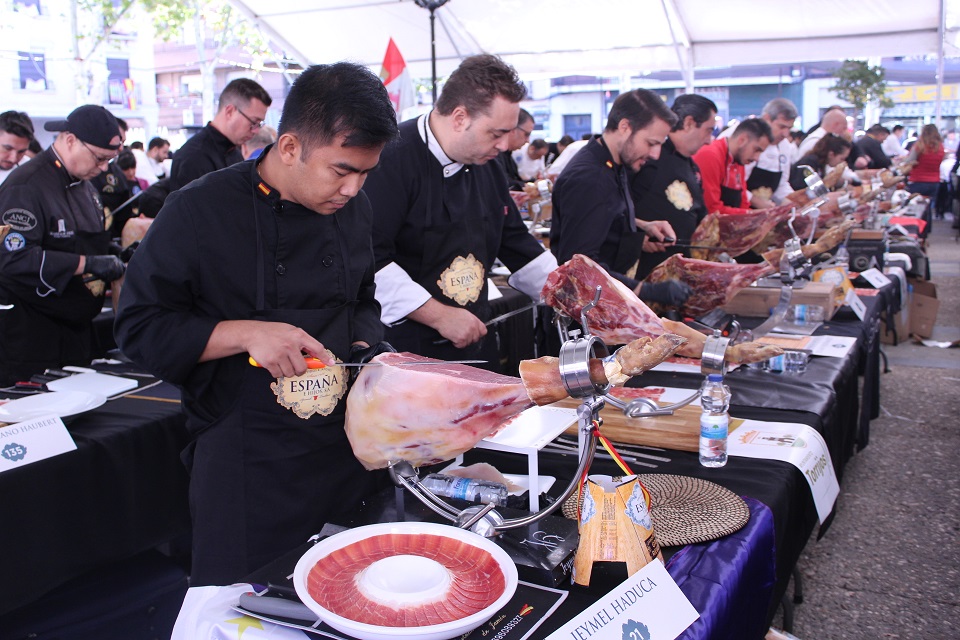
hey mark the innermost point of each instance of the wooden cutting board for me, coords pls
(680, 431)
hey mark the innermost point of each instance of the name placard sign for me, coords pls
(875, 277)
(648, 604)
(27, 442)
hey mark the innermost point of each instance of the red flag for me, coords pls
(396, 79)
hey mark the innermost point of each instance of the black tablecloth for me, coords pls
(122, 491)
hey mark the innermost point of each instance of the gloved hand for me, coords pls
(106, 268)
(361, 355)
(671, 293)
(127, 253)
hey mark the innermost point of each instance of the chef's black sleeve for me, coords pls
(157, 325)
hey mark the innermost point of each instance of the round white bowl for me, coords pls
(365, 631)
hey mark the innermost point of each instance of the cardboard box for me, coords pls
(758, 301)
(923, 308)
(866, 234)
(902, 325)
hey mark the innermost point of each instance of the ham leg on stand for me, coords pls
(574, 284)
(713, 283)
(735, 234)
(424, 415)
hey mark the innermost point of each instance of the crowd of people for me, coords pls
(342, 235)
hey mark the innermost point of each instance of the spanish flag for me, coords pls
(396, 78)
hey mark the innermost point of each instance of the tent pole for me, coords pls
(433, 55)
(940, 36)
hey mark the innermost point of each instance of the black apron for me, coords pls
(263, 479)
(444, 241)
(54, 330)
(731, 197)
(760, 178)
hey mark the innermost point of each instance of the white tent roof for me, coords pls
(565, 37)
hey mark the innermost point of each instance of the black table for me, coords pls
(122, 492)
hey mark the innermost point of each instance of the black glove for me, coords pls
(114, 249)
(106, 268)
(672, 293)
(127, 253)
(361, 355)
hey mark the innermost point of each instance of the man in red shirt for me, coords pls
(722, 166)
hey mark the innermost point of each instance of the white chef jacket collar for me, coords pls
(450, 167)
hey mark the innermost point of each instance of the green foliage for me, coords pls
(858, 83)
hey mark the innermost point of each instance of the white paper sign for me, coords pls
(856, 304)
(27, 442)
(797, 444)
(875, 277)
(648, 604)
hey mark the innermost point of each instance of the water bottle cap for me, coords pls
(714, 377)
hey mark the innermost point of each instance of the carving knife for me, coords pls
(316, 363)
(500, 318)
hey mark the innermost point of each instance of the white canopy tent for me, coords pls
(608, 37)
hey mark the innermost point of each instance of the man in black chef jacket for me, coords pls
(243, 106)
(269, 259)
(668, 187)
(55, 259)
(593, 210)
(444, 214)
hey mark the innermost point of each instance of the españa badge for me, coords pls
(679, 195)
(317, 391)
(463, 280)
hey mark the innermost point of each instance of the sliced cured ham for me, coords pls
(424, 415)
(735, 234)
(471, 580)
(712, 283)
(618, 318)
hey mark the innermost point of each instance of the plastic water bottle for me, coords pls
(714, 421)
(842, 257)
(468, 489)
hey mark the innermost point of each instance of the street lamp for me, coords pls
(432, 6)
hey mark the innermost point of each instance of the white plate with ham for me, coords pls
(405, 580)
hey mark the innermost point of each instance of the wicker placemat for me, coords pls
(687, 510)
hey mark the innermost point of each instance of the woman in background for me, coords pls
(829, 151)
(926, 154)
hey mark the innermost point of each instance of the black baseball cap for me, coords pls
(92, 124)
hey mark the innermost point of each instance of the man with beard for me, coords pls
(16, 132)
(593, 212)
(722, 166)
(668, 188)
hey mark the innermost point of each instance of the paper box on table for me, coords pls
(923, 308)
(758, 301)
(615, 526)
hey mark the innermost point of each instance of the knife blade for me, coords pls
(316, 363)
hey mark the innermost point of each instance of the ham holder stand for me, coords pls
(575, 355)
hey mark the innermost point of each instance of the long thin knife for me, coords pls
(499, 318)
(316, 363)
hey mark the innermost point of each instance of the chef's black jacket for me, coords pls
(423, 220)
(591, 213)
(197, 266)
(873, 150)
(207, 151)
(53, 219)
(514, 181)
(653, 202)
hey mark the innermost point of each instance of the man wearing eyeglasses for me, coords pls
(55, 261)
(243, 106)
(515, 140)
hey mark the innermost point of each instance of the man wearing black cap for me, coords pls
(54, 260)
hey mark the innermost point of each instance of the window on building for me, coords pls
(33, 71)
(577, 125)
(118, 70)
(31, 7)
